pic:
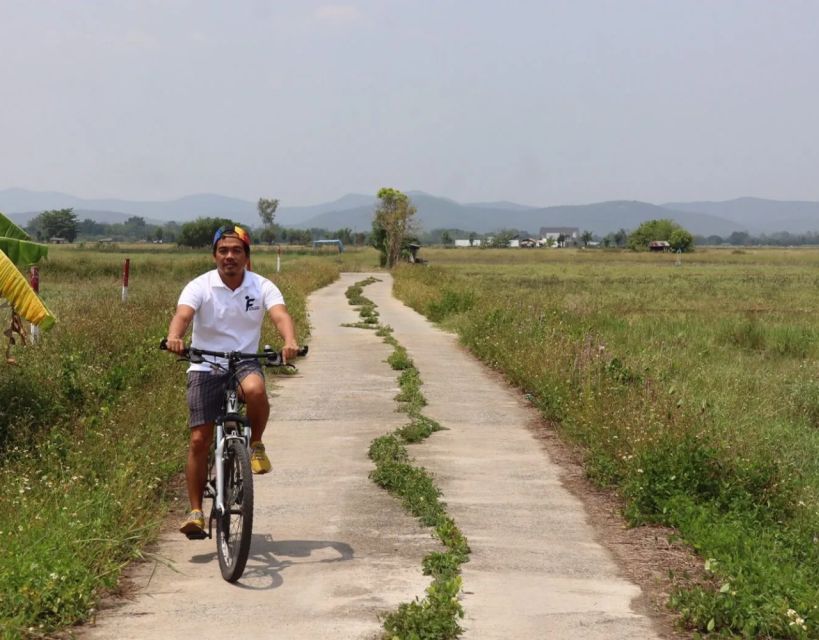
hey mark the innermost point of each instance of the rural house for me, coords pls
(570, 235)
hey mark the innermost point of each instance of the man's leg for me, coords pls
(196, 471)
(254, 394)
(204, 395)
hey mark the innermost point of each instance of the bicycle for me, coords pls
(230, 482)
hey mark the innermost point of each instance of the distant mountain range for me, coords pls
(355, 211)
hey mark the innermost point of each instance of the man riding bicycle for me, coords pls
(227, 306)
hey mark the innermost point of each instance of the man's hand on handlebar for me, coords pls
(176, 345)
(273, 358)
(289, 352)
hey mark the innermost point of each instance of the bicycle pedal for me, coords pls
(197, 535)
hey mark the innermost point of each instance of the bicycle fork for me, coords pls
(221, 443)
(219, 461)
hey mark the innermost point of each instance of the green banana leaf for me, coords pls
(10, 230)
(22, 252)
(17, 244)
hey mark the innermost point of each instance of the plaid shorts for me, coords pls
(206, 391)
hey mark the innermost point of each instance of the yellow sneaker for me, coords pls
(259, 462)
(194, 525)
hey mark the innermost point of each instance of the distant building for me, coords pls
(335, 242)
(570, 235)
(659, 245)
(465, 243)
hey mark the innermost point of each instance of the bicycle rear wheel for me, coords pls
(235, 527)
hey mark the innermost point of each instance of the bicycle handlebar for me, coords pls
(274, 358)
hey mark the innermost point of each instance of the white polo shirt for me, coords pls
(228, 320)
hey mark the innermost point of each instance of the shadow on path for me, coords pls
(269, 557)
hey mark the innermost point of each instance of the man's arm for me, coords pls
(286, 328)
(179, 325)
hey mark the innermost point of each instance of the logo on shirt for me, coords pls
(249, 306)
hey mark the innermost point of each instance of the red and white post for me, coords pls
(125, 271)
(34, 281)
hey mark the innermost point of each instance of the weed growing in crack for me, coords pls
(419, 429)
(436, 616)
(399, 360)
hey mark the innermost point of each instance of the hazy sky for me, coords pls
(541, 102)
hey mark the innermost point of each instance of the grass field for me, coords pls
(692, 389)
(93, 426)
(691, 386)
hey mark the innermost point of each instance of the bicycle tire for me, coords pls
(234, 527)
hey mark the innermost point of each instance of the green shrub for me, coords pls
(450, 302)
(670, 468)
(804, 401)
(28, 405)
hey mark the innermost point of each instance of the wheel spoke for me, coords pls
(234, 531)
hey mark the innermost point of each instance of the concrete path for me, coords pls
(331, 551)
(536, 569)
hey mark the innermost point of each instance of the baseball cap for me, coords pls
(235, 230)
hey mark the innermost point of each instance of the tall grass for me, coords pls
(692, 390)
(93, 428)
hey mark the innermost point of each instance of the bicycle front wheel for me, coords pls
(235, 526)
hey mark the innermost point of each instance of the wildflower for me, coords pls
(796, 620)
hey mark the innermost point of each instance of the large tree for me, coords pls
(344, 234)
(392, 224)
(681, 240)
(199, 233)
(56, 223)
(267, 210)
(663, 229)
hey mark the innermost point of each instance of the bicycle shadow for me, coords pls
(269, 557)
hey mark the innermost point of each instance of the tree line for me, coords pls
(392, 232)
(778, 239)
(63, 224)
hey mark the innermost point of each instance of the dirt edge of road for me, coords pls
(651, 556)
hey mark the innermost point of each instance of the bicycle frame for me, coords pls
(232, 415)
